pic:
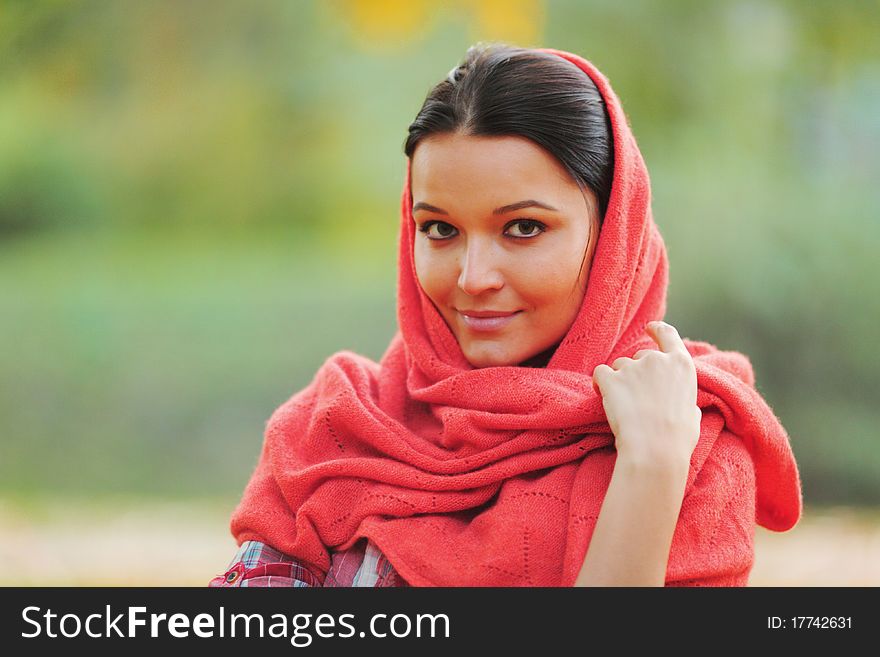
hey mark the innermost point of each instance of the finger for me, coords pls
(600, 377)
(643, 352)
(620, 362)
(666, 336)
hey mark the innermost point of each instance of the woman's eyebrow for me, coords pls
(522, 204)
(427, 206)
(530, 203)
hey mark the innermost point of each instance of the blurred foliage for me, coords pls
(199, 204)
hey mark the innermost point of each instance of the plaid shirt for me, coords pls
(257, 564)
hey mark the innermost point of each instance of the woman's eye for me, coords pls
(528, 227)
(523, 228)
(444, 230)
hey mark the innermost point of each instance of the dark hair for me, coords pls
(501, 90)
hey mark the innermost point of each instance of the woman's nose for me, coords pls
(480, 271)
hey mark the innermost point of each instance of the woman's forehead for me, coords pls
(462, 169)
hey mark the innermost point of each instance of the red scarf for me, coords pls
(495, 476)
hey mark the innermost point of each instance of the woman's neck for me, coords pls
(541, 359)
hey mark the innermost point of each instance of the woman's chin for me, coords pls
(480, 358)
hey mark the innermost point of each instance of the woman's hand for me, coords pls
(650, 400)
(651, 404)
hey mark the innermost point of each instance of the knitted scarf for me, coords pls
(495, 476)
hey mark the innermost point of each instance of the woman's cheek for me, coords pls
(434, 275)
(547, 279)
(423, 267)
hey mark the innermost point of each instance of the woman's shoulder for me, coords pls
(727, 470)
(713, 543)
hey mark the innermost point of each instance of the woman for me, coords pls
(532, 423)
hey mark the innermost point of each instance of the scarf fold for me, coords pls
(495, 476)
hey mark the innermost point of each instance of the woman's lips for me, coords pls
(488, 323)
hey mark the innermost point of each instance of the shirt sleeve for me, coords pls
(713, 544)
(362, 565)
(258, 564)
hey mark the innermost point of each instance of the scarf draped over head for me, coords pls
(495, 476)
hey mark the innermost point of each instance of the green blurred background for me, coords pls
(199, 204)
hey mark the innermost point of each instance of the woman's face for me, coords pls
(502, 230)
